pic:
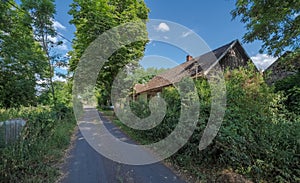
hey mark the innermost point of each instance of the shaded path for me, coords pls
(85, 165)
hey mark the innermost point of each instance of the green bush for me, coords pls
(33, 158)
(259, 137)
(141, 109)
(290, 86)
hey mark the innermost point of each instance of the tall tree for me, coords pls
(41, 16)
(22, 61)
(276, 23)
(94, 17)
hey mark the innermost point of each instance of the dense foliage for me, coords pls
(93, 18)
(27, 61)
(63, 94)
(290, 87)
(142, 76)
(22, 60)
(259, 137)
(27, 56)
(34, 158)
(276, 23)
(40, 15)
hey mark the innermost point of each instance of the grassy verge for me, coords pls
(36, 155)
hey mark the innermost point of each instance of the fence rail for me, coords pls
(10, 131)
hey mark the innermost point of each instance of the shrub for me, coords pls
(258, 136)
(290, 86)
(34, 156)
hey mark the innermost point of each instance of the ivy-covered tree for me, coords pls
(276, 23)
(91, 19)
(22, 61)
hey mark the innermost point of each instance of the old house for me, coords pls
(230, 56)
(288, 64)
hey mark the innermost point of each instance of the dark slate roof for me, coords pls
(201, 65)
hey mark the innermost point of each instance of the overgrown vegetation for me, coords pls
(22, 60)
(259, 137)
(290, 87)
(36, 155)
(28, 58)
(95, 17)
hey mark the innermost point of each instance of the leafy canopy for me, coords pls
(41, 17)
(274, 22)
(93, 18)
(22, 60)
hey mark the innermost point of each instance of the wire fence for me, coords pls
(10, 131)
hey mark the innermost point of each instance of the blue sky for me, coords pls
(211, 20)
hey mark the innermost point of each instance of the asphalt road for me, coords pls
(85, 165)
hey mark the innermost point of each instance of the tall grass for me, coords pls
(33, 158)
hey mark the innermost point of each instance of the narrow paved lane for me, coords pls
(85, 165)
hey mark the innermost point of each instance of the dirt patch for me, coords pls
(231, 177)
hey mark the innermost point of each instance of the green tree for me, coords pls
(41, 16)
(22, 61)
(94, 17)
(63, 94)
(276, 23)
(142, 76)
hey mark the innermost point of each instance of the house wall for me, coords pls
(148, 95)
(233, 59)
(142, 97)
(278, 71)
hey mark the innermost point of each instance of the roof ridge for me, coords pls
(196, 59)
(230, 46)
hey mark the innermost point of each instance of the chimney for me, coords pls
(189, 58)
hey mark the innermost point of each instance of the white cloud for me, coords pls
(65, 68)
(57, 78)
(263, 61)
(186, 34)
(53, 39)
(58, 25)
(63, 47)
(163, 27)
